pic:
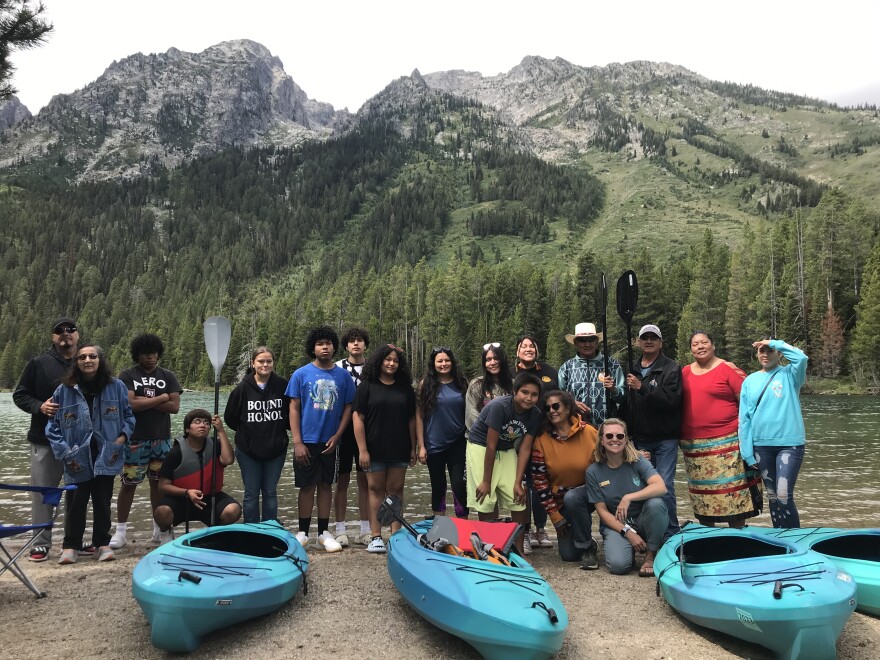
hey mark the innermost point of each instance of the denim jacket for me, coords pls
(71, 430)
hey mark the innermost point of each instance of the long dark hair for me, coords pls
(373, 366)
(504, 379)
(430, 386)
(73, 375)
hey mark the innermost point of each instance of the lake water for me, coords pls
(838, 483)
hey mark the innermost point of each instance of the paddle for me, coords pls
(218, 332)
(390, 511)
(627, 299)
(603, 319)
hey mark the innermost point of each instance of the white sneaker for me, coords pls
(527, 547)
(376, 545)
(118, 539)
(303, 539)
(330, 544)
(164, 537)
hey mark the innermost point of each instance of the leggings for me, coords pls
(452, 459)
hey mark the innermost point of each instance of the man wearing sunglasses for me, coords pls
(655, 417)
(33, 394)
(583, 377)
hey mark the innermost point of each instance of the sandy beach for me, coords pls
(352, 611)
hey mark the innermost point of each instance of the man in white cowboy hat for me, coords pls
(583, 376)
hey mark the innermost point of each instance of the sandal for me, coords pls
(647, 569)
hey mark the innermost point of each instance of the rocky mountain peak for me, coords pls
(12, 112)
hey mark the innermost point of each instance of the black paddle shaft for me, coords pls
(627, 299)
(603, 319)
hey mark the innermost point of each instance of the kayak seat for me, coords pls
(853, 546)
(458, 532)
(254, 544)
(728, 548)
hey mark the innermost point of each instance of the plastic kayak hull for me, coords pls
(763, 590)
(856, 551)
(214, 578)
(502, 611)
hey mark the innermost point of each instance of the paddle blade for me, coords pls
(390, 511)
(218, 333)
(627, 295)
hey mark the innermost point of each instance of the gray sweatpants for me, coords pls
(651, 526)
(46, 470)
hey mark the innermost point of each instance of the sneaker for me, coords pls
(330, 544)
(68, 556)
(118, 540)
(590, 558)
(365, 538)
(532, 539)
(86, 550)
(342, 539)
(543, 540)
(376, 545)
(303, 539)
(527, 547)
(39, 553)
(105, 553)
(162, 537)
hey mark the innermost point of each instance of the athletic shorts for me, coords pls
(184, 510)
(348, 452)
(503, 478)
(322, 468)
(144, 459)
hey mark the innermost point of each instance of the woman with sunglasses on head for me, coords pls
(561, 455)
(440, 429)
(771, 426)
(496, 380)
(385, 430)
(88, 435)
(628, 495)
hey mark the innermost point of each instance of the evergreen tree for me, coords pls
(21, 27)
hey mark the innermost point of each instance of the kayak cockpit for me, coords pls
(706, 550)
(254, 544)
(864, 547)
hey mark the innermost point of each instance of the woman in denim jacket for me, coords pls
(88, 435)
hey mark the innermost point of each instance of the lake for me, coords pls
(838, 483)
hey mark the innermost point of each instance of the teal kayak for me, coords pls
(505, 612)
(763, 590)
(214, 578)
(856, 551)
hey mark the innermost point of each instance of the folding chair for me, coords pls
(9, 561)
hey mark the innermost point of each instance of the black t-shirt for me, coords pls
(387, 410)
(150, 424)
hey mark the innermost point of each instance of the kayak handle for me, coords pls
(189, 577)
(549, 610)
(778, 587)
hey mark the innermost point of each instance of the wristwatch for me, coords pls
(625, 529)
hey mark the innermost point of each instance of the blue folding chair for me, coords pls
(9, 561)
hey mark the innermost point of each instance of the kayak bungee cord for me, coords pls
(214, 570)
(298, 563)
(523, 582)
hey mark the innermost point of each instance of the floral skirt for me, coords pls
(721, 486)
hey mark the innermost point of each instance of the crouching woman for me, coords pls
(627, 492)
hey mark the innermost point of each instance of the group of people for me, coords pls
(521, 437)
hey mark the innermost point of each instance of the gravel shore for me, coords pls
(352, 611)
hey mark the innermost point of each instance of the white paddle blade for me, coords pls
(218, 333)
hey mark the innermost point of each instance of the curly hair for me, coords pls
(373, 366)
(429, 387)
(355, 333)
(319, 333)
(146, 344)
(103, 376)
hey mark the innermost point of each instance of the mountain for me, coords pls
(150, 111)
(12, 112)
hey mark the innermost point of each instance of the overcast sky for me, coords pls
(344, 52)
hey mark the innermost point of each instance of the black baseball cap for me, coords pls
(64, 320)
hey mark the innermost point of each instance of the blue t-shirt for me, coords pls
(446, 424)
(322, 395)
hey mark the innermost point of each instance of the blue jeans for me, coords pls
(259, 477)
(779, 470)
(664, 458)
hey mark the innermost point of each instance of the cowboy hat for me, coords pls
(584, 330)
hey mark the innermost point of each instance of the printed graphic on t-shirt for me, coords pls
(324, 394)
(513, 431)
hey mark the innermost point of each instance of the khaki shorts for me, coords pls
(503, 480)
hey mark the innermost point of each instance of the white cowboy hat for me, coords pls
(584, 330)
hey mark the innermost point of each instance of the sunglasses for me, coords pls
(586, 340)
(491, 344)
(440, 349)
(612, 436)
(649, 337)
(552, 406)
(61, 329)
(90, 356)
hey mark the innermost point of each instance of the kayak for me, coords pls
(505, 612)
(764, 590)
(856, 551)
(216, 577)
